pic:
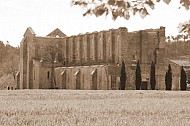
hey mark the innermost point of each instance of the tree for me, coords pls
(51, 53)
(121, 8)
(138, 79)
(183, 79)
(168, 39)
(123, 76)
(8, 59)
(185, 37)
(168, 78)
(3, 51)
(184, 27)
(178, 37)
(172, 38)
(13, 69)
(152, 76)
(13, 56)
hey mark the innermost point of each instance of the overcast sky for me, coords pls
(46, 15)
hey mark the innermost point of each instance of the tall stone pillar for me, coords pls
(67, 57)
(70, 50)
(64, 50)
(88, 48)
(108, 39)
(92, 47)
(118, 49)
(100, 46)
(84, 46)
(22, 64)
(96, 47)
(31, 55)
(116, 52)
(113, 48)
(77, 49)
(104, 46)
(80, 49)
(74, 49)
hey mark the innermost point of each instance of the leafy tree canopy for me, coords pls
(126, 8)
(121, 8)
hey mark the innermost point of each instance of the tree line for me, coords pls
(9, 59)
(138, 78)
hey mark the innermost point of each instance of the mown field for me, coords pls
(94, 108)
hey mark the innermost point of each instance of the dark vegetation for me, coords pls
(123, 76)
(168, 78)
(152, 76)
(183, 80)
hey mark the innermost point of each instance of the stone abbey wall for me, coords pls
(86, 49)
(76, 56)
(96, 77)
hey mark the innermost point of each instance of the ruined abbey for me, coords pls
(90, 61)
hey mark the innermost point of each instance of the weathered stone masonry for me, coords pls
(91, 60)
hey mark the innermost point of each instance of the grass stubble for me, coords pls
(94, 108)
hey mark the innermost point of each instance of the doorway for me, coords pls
(144, 85)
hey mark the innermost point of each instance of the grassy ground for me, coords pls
(94, 108)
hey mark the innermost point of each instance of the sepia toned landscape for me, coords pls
(94, 63)
(95, 108)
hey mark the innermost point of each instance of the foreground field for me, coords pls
(97, 108)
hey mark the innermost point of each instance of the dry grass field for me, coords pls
(94, 108)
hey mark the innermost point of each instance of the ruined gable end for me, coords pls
(29, 31)
(56, 33)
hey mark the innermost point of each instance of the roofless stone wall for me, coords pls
(83, 61)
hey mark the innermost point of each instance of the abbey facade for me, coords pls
(92, 60)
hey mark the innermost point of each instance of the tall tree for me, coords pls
(168, 78)
(51, 57)
(152, 76)
(183, 79)
(138, 79)
(123, 76)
